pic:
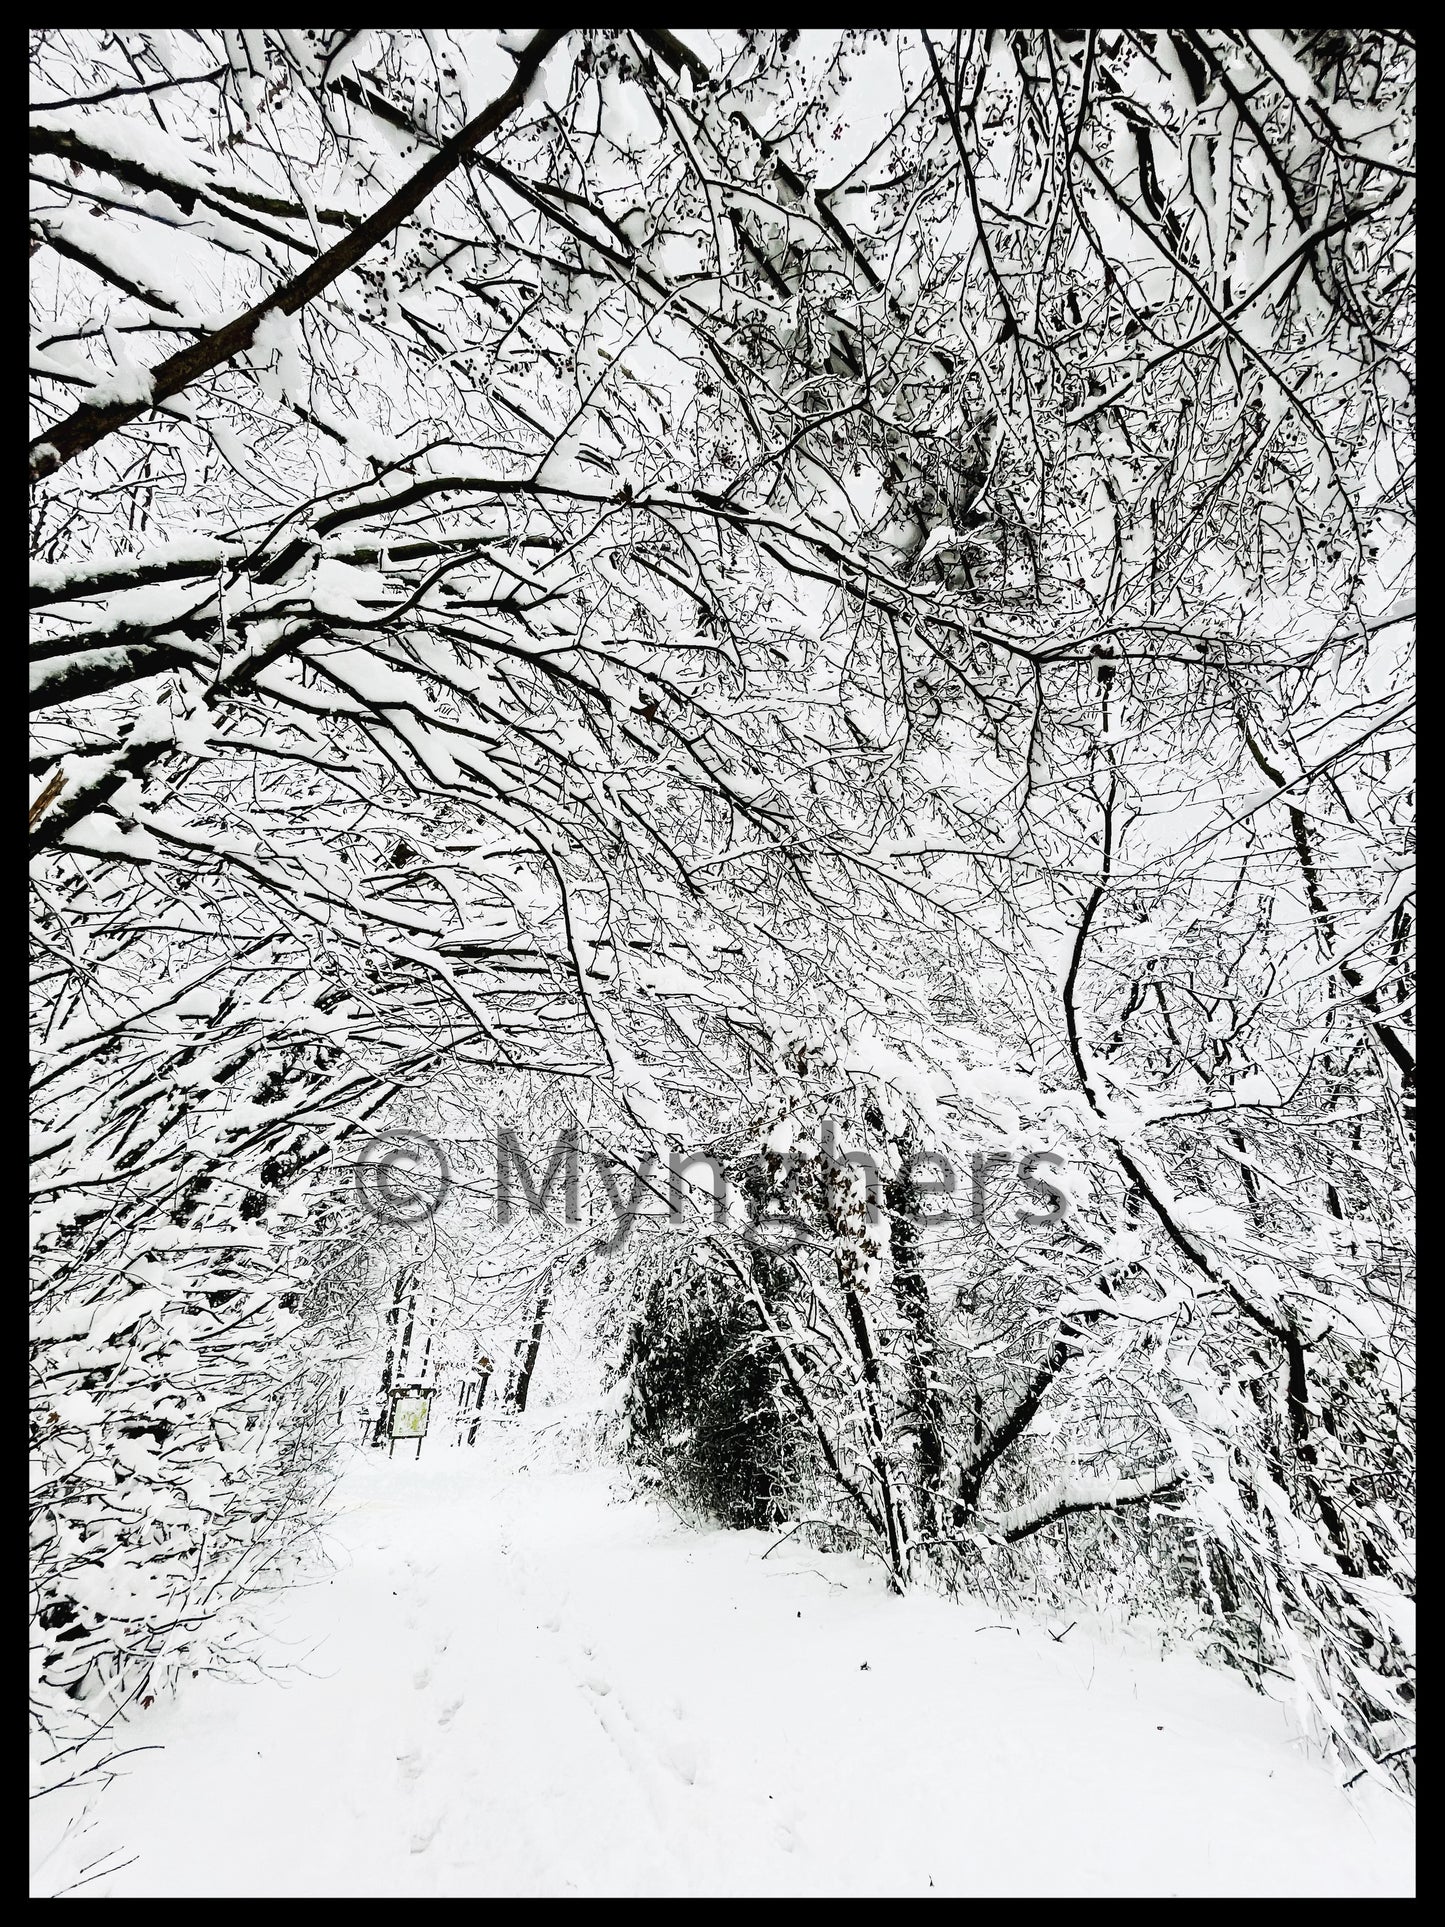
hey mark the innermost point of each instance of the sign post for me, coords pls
(410, 1406)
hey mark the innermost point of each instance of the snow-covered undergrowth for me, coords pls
(513, 1677)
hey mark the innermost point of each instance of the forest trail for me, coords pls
(519, 1681)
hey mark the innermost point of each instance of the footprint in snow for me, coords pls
(682, 1758)
(595, 1683)
(410, 1764)
(424, 1835)
(421, 1678)
(449, 1713)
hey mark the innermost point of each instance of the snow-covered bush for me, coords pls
(705, 1406)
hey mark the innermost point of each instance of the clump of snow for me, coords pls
(279, 334)
(125, 386)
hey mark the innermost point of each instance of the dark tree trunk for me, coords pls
(481, 1385)
(391, 1368)
(525, 1361)
(393, 1372)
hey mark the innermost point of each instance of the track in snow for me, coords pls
(515, 1682)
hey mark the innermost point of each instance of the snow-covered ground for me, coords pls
(515, 1680)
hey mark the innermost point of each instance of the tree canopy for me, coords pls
(695, 587)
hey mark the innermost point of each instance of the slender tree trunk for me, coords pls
(853, 1245)
(525, 1361)
(484, 1371)
(897, 1531)
(910, 1288)
(394, 1367)
(1011, 1428)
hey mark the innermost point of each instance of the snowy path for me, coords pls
(514, 1684)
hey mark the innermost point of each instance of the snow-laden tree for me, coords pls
(554, 551)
